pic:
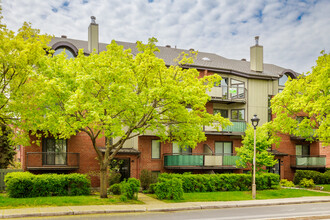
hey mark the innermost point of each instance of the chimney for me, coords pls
(93, 36)
(256, 57)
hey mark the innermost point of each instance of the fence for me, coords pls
(3, 173)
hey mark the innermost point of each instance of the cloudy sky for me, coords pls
(293, 32)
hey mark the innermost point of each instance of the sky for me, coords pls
(292, 32)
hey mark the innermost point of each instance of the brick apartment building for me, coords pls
(245, 90)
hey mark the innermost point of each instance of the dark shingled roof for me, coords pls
(211, 61)
(123, 151)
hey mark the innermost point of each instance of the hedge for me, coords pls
(317, 177)
(25, 184)
(169, 189)
(222, 182)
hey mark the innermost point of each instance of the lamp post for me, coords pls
(255, 121)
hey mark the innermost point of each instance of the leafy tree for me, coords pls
(7, 151)
(117, 95)
(308, 95)
(263, 142)
(19, 56)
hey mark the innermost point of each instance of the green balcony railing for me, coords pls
(238, 126)
(200, 160)
(308, 161)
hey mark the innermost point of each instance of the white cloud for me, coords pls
(292, 32)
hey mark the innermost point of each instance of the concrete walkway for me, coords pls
(151, 205)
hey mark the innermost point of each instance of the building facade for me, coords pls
(246, 89)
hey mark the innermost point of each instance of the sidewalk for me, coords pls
(151, 205)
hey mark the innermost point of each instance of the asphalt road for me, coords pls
(261, 212)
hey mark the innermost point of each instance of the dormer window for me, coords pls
(67, 51)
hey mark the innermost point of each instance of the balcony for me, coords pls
(238, 128)
(52, 161)
(225, 94)
(308, 161)
(200, 161)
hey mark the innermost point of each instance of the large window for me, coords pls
(68, 52)
(54, 151)
(302, 150)
(155, 149)
(269, 108)
(223, 148)
(237, 89)
(238, 114)
(282, 80)
(222, 112)
(177, 149)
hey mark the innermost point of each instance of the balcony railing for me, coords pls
(308, 161)
(200, 161)
(238, 126)
(52, 161)
(228, 94)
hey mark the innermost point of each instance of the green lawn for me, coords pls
(9, 203)
(246, 195)
(326, 187)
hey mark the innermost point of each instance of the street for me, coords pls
(260, 212)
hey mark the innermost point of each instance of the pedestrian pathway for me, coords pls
(151, 205)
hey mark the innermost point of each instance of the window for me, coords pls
(269, 109)
(177, 149)
(282, 80)
(224, 85)
(223, 148)
(302, 150)
(222, 112)
(280, 90)
(155, 149)
(54, 151)
(237, 89)
(238, 114)
(155, 175)
(68, 52)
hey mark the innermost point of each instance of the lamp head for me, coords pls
(255, 121)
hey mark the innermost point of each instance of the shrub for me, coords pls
(115, 189)
(169, 189)
(146, 179)
(114, 177)
(286, 183)
(317, 177)
(25, 184)
(152, 188)
(130, 188)
(305, 183)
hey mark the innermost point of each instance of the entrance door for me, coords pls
(276, 168)
(123, 166)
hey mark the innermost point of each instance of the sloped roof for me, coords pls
(203, 60)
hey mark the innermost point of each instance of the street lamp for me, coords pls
(255, 121)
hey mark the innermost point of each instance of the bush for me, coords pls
(115, 189)
(146, 179)
(305, 183)
(222, 182)
(317, 177)
(130, 188)
(25, 184)
(286, 183)
(152, 188)
(114, 177)
(169, 189)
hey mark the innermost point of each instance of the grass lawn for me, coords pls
(10, 203)
(246, 195)
(326, 187)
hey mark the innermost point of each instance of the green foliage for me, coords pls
(119, 95)
(130, 188)
(7, 151)
(146, 179)
(307, 183)
(25, 184)
(115, 189)
(222, 182)
(309, 93)
(317, 177)
(169, 189)
(263, 142)
(152, 188)
(286, 183)
(114, 177)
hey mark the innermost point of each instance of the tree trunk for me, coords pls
(103, 180)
